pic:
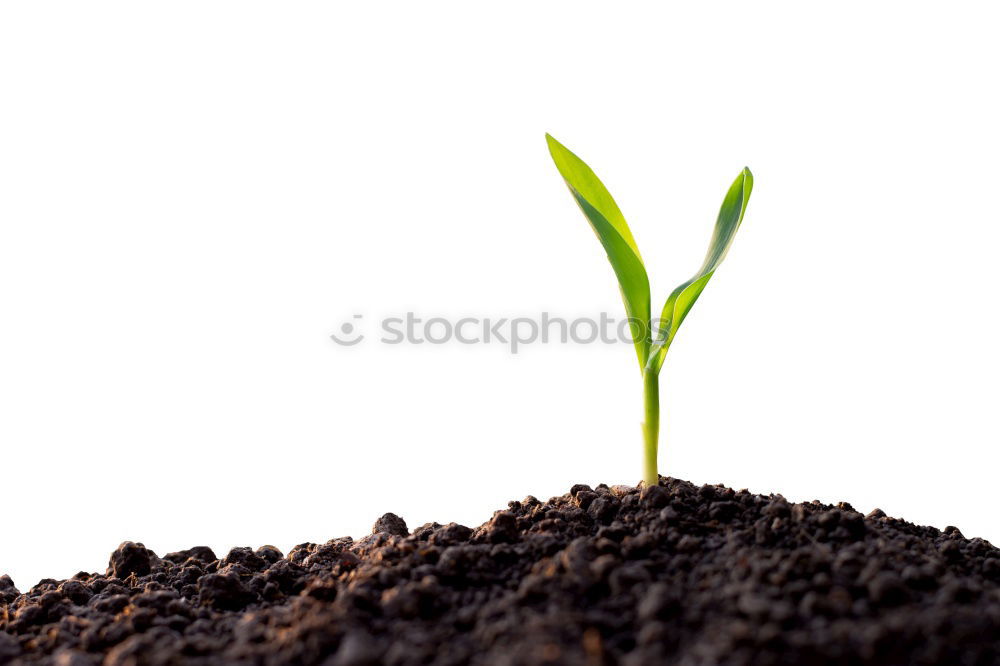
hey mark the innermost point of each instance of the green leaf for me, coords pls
(683, 298)
(609, 224)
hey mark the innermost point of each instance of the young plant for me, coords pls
(650, 345)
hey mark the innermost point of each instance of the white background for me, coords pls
(194, 196)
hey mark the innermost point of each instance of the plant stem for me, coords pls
(651, 425)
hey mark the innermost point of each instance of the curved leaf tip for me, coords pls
(584, 183)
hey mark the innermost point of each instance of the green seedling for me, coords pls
(652, 338)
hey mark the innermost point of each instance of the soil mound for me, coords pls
(676, 574)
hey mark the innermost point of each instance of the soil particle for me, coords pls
(392, 524)
(673, 573)
(130, 558)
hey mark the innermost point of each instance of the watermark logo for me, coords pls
(349, 334)
(512, 332)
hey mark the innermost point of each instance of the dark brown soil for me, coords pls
(674, 574)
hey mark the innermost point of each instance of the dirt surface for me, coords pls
(674, 574)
